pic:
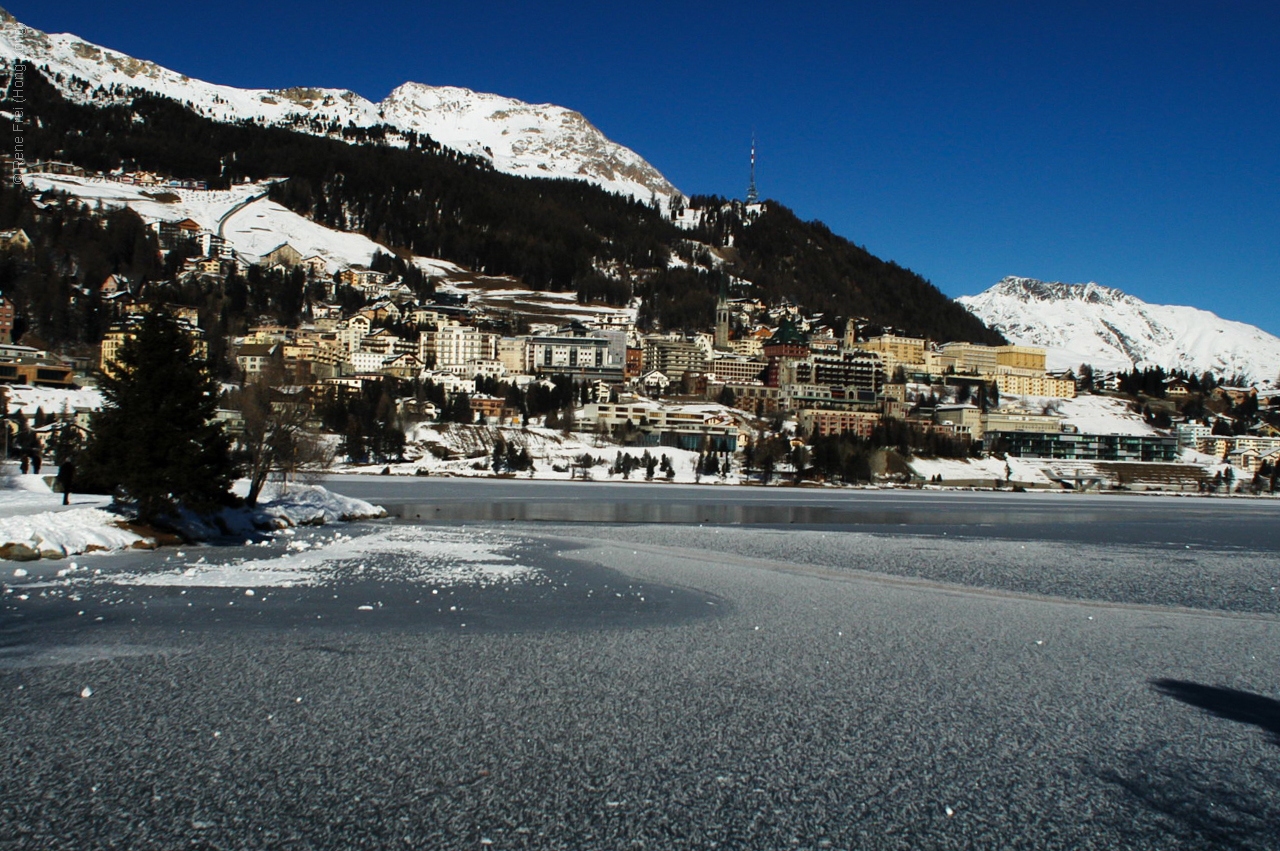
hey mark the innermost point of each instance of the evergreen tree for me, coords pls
(156, 440)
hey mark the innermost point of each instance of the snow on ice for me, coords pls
(420, 554)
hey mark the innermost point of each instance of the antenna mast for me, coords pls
(753, 197)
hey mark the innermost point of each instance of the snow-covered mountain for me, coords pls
(517, 138)
(1090, 323)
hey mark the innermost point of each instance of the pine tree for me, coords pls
(156, 440)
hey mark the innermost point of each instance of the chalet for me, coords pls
(173, 234)
(494, 409)
(211, 266)
(113, 284)
(1246, 458)
(55, 167)
(284, 255)
(315, 266)
(117, 334)
(254, 359)
(354, 329)
(360, 276)
(448, 381)
(268, 333)
(1237, 394)
(383, 311)
(406, 366)
(14, 239)
(655, 382)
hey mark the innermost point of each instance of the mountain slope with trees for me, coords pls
(562, 235)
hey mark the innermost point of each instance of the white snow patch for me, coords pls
(979, 470)
(67, 532)
(1100, 415)
(27, 399)
(425, 555)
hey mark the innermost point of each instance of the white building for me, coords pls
(455, 345)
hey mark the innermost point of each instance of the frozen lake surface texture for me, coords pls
(512, 664)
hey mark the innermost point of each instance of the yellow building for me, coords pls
(1030, 384)
(902, 349)
(1020, 357)
(897, 351)
(971, 357)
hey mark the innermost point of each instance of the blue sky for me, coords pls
(1134, 144)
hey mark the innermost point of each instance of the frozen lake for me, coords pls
(569, 665)
(1097, 518)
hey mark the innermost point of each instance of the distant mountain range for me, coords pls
(1102, 326)
(540, 140)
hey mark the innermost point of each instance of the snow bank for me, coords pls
(56, 534)
(30, 533)
(308, 505)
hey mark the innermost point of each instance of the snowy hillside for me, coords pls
(524, 139)
(250, 223)
(1089, 323)
(254, 225)
(518, 138)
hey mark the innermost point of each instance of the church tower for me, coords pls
(722, 319)
(850, 335)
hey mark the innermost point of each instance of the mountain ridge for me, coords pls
(1110, 329)
(538, 140)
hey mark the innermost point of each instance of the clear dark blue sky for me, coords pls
(1130, 143)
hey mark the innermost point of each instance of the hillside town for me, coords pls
(762, 375)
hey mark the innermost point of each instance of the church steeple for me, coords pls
(722, 318)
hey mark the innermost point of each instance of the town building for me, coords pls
(1072, 446)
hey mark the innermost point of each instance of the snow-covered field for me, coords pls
(1099, 415)
(981, 471)
(250, 223)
